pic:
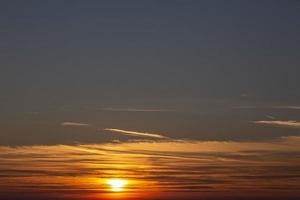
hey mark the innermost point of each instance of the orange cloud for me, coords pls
(171, 166)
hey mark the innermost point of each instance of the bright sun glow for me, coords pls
(117, 185)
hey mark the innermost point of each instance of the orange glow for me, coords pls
(149, 170)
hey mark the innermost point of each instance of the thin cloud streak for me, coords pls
(125, 132)
(74, 124)
(136, 110)
(287, 107)
(136, 133)
(289, 124)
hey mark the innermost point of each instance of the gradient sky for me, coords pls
(201, 62)
(143, 73)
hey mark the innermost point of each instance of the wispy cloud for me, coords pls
(125, 132)
(291, 124)
(135, 110)
(270, 117)
(165, 165)
(292, 140)
(136, 133)
(74, 124)
(287, 107)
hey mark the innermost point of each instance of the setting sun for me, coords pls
(117, 185)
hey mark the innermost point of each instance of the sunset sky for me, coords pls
(160, 99)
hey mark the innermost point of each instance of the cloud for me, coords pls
(291, 140)
(290, 124)
(287, 107)
(270, 117)
(245, 107)
(135, 110)
(165, 165)
(126, 132)
(74, 124)
(136, 133)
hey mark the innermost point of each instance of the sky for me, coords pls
(113, 85)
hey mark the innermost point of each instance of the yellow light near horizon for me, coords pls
(117, 185)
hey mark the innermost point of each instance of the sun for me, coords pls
(117, 185)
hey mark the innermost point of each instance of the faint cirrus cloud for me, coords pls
(284, 107)
(279, 123)
(121, 131)
(290, 107)
(77, 124)
(136, 110)
(136, 133)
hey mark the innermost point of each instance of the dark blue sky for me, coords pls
(56, 54)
